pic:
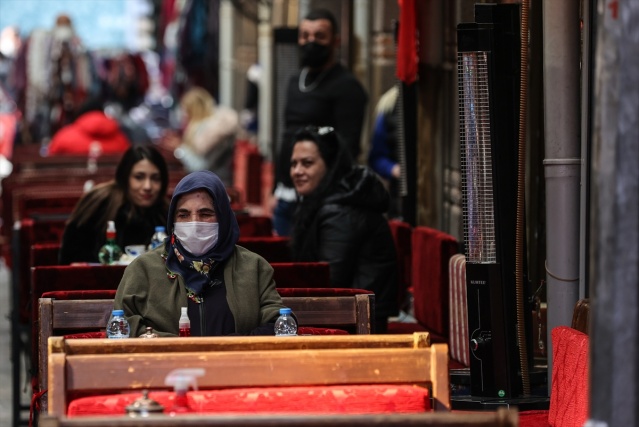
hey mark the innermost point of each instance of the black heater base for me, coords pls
(462, 400)
(475, 403)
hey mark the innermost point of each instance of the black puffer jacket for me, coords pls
(350, 232)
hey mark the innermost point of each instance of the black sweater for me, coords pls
(339, 101)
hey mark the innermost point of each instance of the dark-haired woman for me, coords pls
(340, 219)
(135, 200)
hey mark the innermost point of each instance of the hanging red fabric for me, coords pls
(407, 42)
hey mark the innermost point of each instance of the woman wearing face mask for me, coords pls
(135, 200)
(340, 219)
(227, 289)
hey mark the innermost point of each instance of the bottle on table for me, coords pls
(118, 326)
(184, 323)
(158, 237)
(285, 325)
(110, 253)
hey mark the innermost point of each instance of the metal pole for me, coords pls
(265, 55)
(563, 160)
(227, 47)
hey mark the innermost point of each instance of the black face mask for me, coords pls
(314, 55)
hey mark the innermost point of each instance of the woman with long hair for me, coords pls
(135, 200)
(340, 219)
(208, 139)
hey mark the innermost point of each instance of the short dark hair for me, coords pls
(134, 155)
(316, 14)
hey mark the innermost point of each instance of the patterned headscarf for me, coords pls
(196, 271)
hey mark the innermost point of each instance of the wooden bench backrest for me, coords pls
(135, 364)
(84, 315)
(502, 417)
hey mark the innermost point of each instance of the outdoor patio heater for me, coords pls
(488, 79)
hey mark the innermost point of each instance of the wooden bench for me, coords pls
(99, 366)
(502, 417)
(73, 316)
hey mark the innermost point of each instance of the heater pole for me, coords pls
(562, 164)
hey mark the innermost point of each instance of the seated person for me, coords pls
(135, 200)
(208, 140)
(340, 219)
(228, 289)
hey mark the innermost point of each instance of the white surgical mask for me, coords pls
(197, 237)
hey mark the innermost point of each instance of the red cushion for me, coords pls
(401, 232)
(431, 251)
(351, 399)
(321, 292)
(86, 335)
(301, 274)
(308, 330)
(271, 248)
(88, 294)
(253, 225)
(533, 418)
(409, 328)
(569, 394)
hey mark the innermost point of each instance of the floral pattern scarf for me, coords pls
(198, 271)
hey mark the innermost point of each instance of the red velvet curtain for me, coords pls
(407, 42)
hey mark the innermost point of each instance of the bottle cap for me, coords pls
(111, 226)
(285, 310)
(184, 311)
(159, 228)
(118, 312)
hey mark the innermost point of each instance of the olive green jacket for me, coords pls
(151, 296)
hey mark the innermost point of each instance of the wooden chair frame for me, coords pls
(136, 364)
(82, 315)
(502, 417)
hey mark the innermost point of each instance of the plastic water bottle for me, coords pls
(110, 253)
(158, 237)
(184, 323)
(118, 326)
(285, 325)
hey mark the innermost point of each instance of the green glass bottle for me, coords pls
(110, 253)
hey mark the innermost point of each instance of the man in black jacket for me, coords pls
(322, 93)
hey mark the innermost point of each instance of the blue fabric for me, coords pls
(283, 217)
(379, 156)
(196, 270)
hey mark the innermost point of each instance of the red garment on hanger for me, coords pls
(407, 42)
(77, 137)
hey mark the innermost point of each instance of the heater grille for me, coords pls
(477, 181)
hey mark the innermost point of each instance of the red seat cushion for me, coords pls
(401, 232)
(431, 252)
(569, 394)
(321, 292)
(301, 274)
(349, 399)
(533, 418)
(271, 248)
